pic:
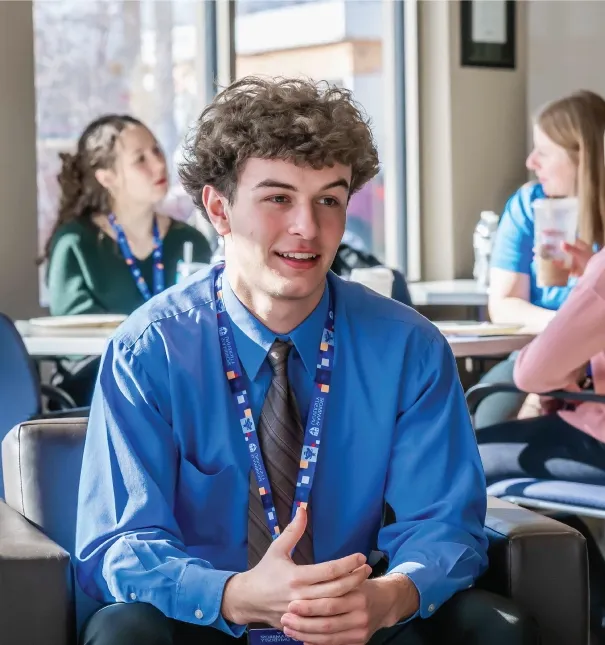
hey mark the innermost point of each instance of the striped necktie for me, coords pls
(280, 435)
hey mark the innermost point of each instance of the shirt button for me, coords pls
(133, 596)
(199, 614)
(431, 608)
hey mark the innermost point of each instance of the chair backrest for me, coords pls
(19, 382)
(348, 259)
(401, 293)
(42, 461)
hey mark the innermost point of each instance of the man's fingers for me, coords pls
(291, 534)
(311, 574)
(326, 606)
(339, 587)
(325, 625)
(350, 637)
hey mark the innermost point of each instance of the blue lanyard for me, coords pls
(158, 265)
(315, 419)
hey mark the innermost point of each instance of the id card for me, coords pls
(269, 636)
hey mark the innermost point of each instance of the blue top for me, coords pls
(163, 499)
(513, 250)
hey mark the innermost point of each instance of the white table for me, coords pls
(45, 342)
(487, 346)
(84, 341)
(464, 293)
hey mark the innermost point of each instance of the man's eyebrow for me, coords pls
(274, 183)
(337, 184)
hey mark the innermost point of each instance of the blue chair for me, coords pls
(21, 392)
(548, 495)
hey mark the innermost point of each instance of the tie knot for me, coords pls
(278, 355)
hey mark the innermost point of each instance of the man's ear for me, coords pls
(216, 208)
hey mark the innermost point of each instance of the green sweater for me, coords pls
(87, 273)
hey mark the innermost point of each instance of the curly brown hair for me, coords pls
(305, 122)
(81, 194)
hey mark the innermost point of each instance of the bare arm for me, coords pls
(509, 301)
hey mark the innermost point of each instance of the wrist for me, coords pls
(400, 598)
(234, 604)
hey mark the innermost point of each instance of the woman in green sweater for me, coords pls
(110, 250)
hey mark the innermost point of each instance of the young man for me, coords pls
(269, 385)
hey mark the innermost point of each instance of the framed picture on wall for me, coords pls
(487, 33)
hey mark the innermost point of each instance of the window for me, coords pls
(102, 56)
(335, 40)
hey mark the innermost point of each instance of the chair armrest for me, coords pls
(79, 413)
(542, 565)
(36, 604)
(476, 394)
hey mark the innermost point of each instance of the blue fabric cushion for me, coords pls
(19, 385)
(559, 492)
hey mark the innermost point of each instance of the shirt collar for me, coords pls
(253, 339)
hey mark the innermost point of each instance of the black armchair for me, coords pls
(537, 561)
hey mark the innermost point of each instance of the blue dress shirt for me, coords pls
(163, 500)
(513, 250)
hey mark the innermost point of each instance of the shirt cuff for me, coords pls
(424, 579)
(199, 599)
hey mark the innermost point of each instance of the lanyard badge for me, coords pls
(158, 265)
(268, 636)
(317, 409)
(260, 635)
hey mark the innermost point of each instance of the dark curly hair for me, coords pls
(301, 121)
(81, 194)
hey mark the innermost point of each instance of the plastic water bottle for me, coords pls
(187, 266)
(483, 244)
(219, 252)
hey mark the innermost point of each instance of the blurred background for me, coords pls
(452, 137)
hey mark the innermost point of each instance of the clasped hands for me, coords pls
(332, 603)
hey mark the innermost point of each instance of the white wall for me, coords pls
(472, 138)
(566, 49)
(18, 193)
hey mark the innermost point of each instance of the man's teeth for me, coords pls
(299, 256)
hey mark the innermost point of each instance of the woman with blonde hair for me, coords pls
(567, 160)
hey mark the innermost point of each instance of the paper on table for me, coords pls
(474, 328)
(83, 320)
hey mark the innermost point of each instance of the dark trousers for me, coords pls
(472, 617)
(501, 406)
(544, 447)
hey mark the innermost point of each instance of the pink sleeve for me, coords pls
(576, 334)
